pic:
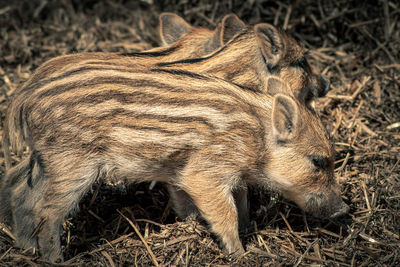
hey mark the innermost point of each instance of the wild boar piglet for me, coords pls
(200, 134)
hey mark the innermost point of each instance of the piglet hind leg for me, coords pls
(23, 202)
(13, 178)
(61, 198)
(216, 203)
(24, 184)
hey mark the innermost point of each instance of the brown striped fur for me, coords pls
(203, 135)
(244, 55)
(159, 115)
(188, 42)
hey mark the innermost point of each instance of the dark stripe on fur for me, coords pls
(246, 88)
(182, 72)
(165, 52)
(63, 88)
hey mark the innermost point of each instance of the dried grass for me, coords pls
(355, 43)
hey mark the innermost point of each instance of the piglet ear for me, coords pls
(172, 28)
(230, 26)
(271, 42)
(276, 85)
(214, 42)
(285, 118)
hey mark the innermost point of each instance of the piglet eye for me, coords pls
(319, 162)
(302, 63)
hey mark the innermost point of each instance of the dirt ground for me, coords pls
(355, 43)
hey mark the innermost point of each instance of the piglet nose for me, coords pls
(325, 85)
(344, 209)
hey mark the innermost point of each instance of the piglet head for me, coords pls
(300, 163)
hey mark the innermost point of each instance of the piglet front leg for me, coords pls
(213, 197)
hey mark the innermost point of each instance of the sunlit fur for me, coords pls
(314, 189)
(202, 135)
(203, 125)
(240, 61)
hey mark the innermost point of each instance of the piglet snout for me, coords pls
(343, 210)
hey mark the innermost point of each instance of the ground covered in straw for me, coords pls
(355, 43)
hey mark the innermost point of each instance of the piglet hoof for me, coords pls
(54, 258)
(234, 251)
(52, 255)
(29, 246)
(192, 217)
(238, 253)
